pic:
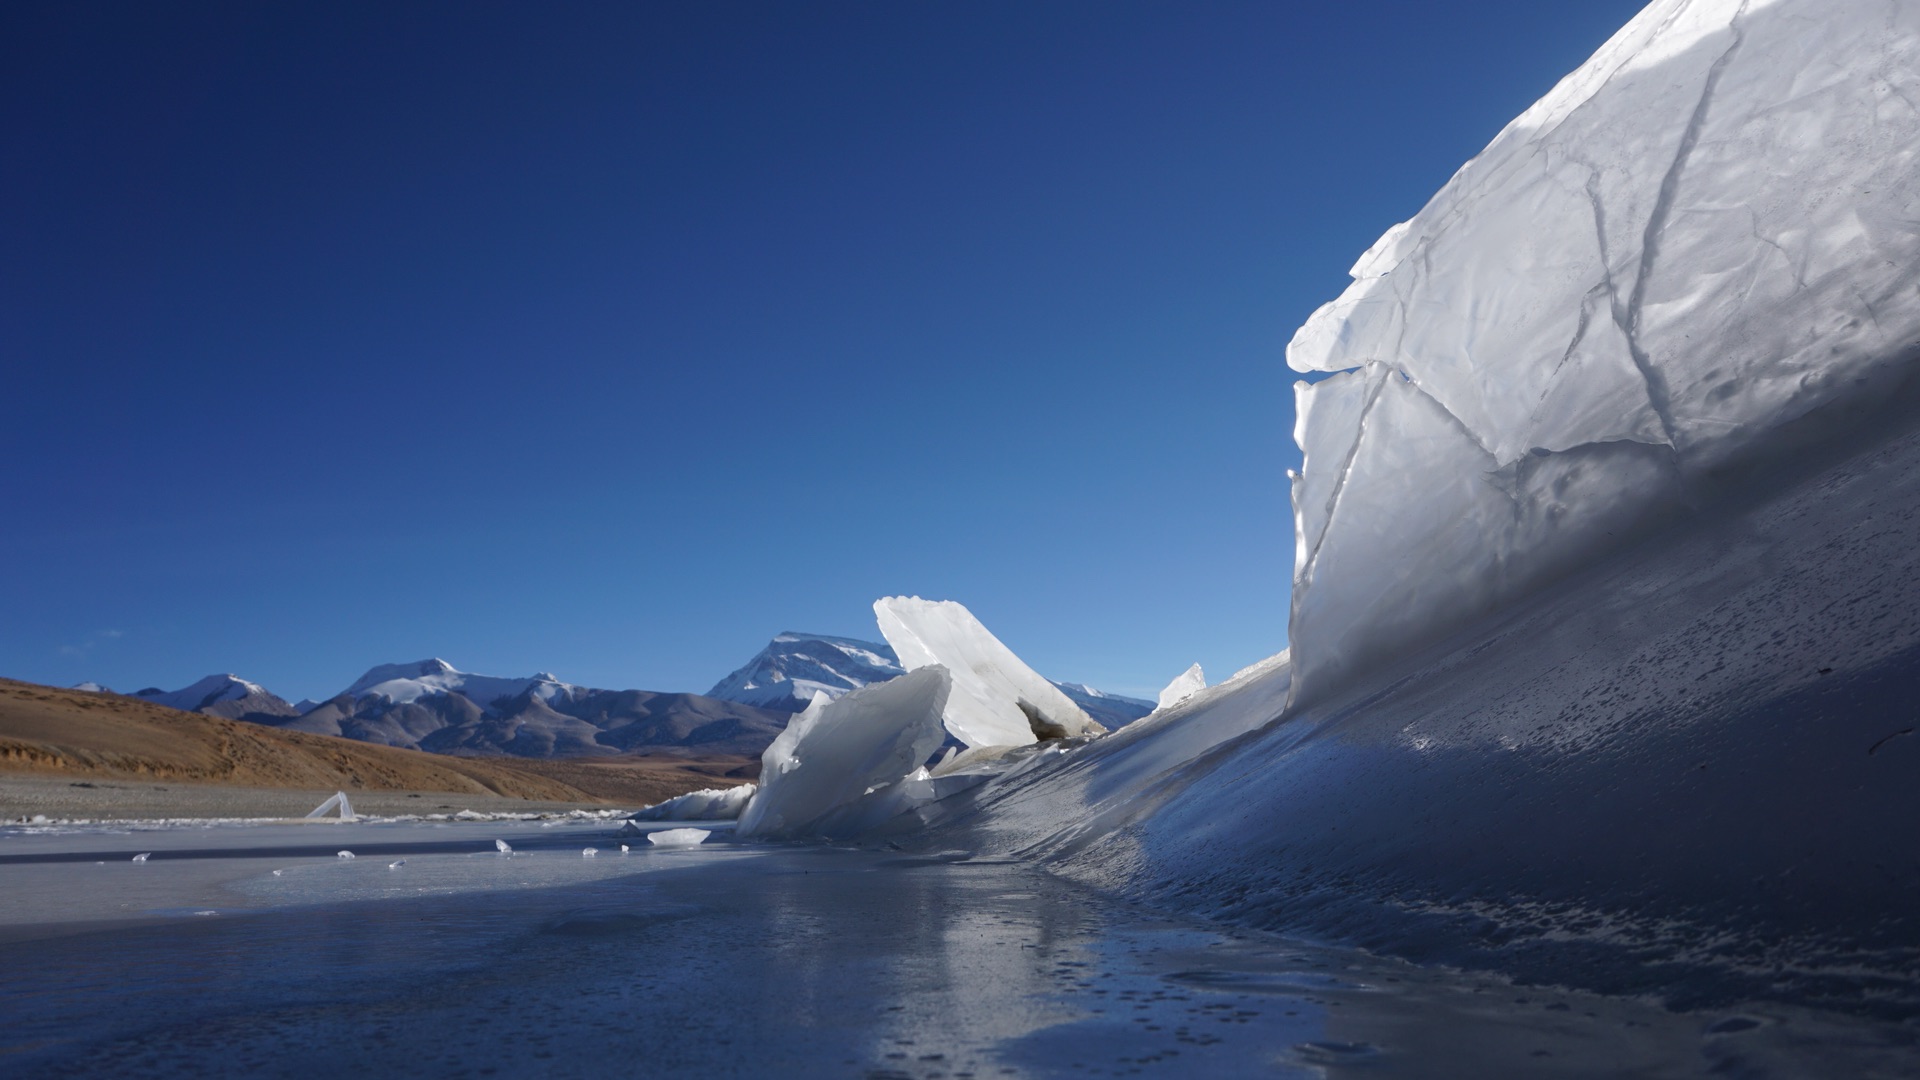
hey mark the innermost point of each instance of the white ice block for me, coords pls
(997, 700)
(840, 749)
(1700, 237)
(676, 838)
(1184, 685)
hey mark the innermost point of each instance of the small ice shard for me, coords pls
(142, 857)
(623, 849)
(277, 873)
(336, 801)
(1184, 685)
(588, 853)
(997, 700)
(344, 855)
(396, 864)
(677, 837)
(841, 748)
(503, 847)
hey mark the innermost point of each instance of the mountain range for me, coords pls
(431, 705)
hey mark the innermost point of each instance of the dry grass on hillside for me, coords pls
(52, 732)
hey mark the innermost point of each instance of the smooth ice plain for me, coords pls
(734, 959)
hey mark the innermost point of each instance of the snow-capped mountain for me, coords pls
(1112, 710)
(228, 696)
(786, 673)
(431, 705)
(403, 684)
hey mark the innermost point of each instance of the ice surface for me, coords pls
(1701, 236)
(996, 700)
(707, 804)
(840, 749)
(676, 838)
(1184, 685)
(337, 801)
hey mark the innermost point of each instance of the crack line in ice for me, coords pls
(1339, 483)
(1657, 394)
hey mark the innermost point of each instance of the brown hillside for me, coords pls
(49, 732)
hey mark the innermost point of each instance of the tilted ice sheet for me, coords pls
(1184, 685)
(840, 749)
(990, 683)
(1707, 232)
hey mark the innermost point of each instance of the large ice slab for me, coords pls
(1702, 236)
(997, 700)
(840, 749)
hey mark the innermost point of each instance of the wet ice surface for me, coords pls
(752, 960)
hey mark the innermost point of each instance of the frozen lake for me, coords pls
(746, 960)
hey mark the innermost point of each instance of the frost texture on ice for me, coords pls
(839, 750)
(997, 700)
(708, 804)
(336, 801)
(1704, 234)
(1184, 685)
(676, 838)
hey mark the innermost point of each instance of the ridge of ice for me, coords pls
(1704, 234)
(707, 804)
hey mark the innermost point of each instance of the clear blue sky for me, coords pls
(611, 339)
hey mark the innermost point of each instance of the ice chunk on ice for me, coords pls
(840, 749)
(336, 801)
(707, 804)
(623, 849)
(1184, 685)
(143, 856)
(1701, 236)
(677, 837)
(344, 855)
(503, 847)
(996, 699)
(588, 853)
(394, 865)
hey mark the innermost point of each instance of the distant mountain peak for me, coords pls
(226, 695)
(795, 665)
